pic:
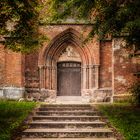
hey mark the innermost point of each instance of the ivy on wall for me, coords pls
(108, 17)
(19, 24)
(20, 19)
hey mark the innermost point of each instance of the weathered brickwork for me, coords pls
(106, 64)
(31, 71)
(106, 69)
(2, 65)
(13, 69)
(11, 74)
(124, 68)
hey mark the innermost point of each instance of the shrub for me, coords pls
(135, 90)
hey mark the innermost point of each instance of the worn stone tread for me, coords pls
(68, 139)
(68, 111)
(68, 130)
(65, 105)
(63, 118)
(68, 107)
(41, 122)
(63, 113)
(68, 116)
(67, 122)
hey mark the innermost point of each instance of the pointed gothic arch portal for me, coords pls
(64, 54)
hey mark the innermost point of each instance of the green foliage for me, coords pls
(58, 11)
(19, 24)
(113, 17)
(135, 90)
(125, 118)
(19, 19)
(12, 115)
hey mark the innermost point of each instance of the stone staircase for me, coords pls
(67, 122)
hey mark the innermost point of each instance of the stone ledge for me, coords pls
(122, 97)
(11, 92)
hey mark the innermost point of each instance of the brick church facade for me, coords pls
(65, 66)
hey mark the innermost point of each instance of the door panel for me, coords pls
(69, 79)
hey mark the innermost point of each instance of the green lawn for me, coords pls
(12, 114)
(126, 118)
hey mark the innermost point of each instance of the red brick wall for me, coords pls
(2, 65)
(123, 70)
(31, 70)
(19, 70)
(14, 75)
(105, 77)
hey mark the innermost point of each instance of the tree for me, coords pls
(19, 19)
(18, 24)
(113, 17)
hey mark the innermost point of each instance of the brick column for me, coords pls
(40, 77)
(90, 76)
(87, 77)
(53, 81)
(96, 76)
(84, 78)
(46, 77)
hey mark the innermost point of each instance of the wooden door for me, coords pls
(69, 79)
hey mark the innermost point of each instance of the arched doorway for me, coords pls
(69, 79)
(66, 53)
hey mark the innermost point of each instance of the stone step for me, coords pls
(76, 113)
(68, 139)
(67, 122)
(39, 124)
(68, 133)
(65, 109)
(67, 118)
(65, 105)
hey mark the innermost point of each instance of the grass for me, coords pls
(12, 114)
(125, 118)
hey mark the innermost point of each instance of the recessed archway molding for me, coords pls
(49, 56)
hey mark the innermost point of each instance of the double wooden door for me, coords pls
(69, 79)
